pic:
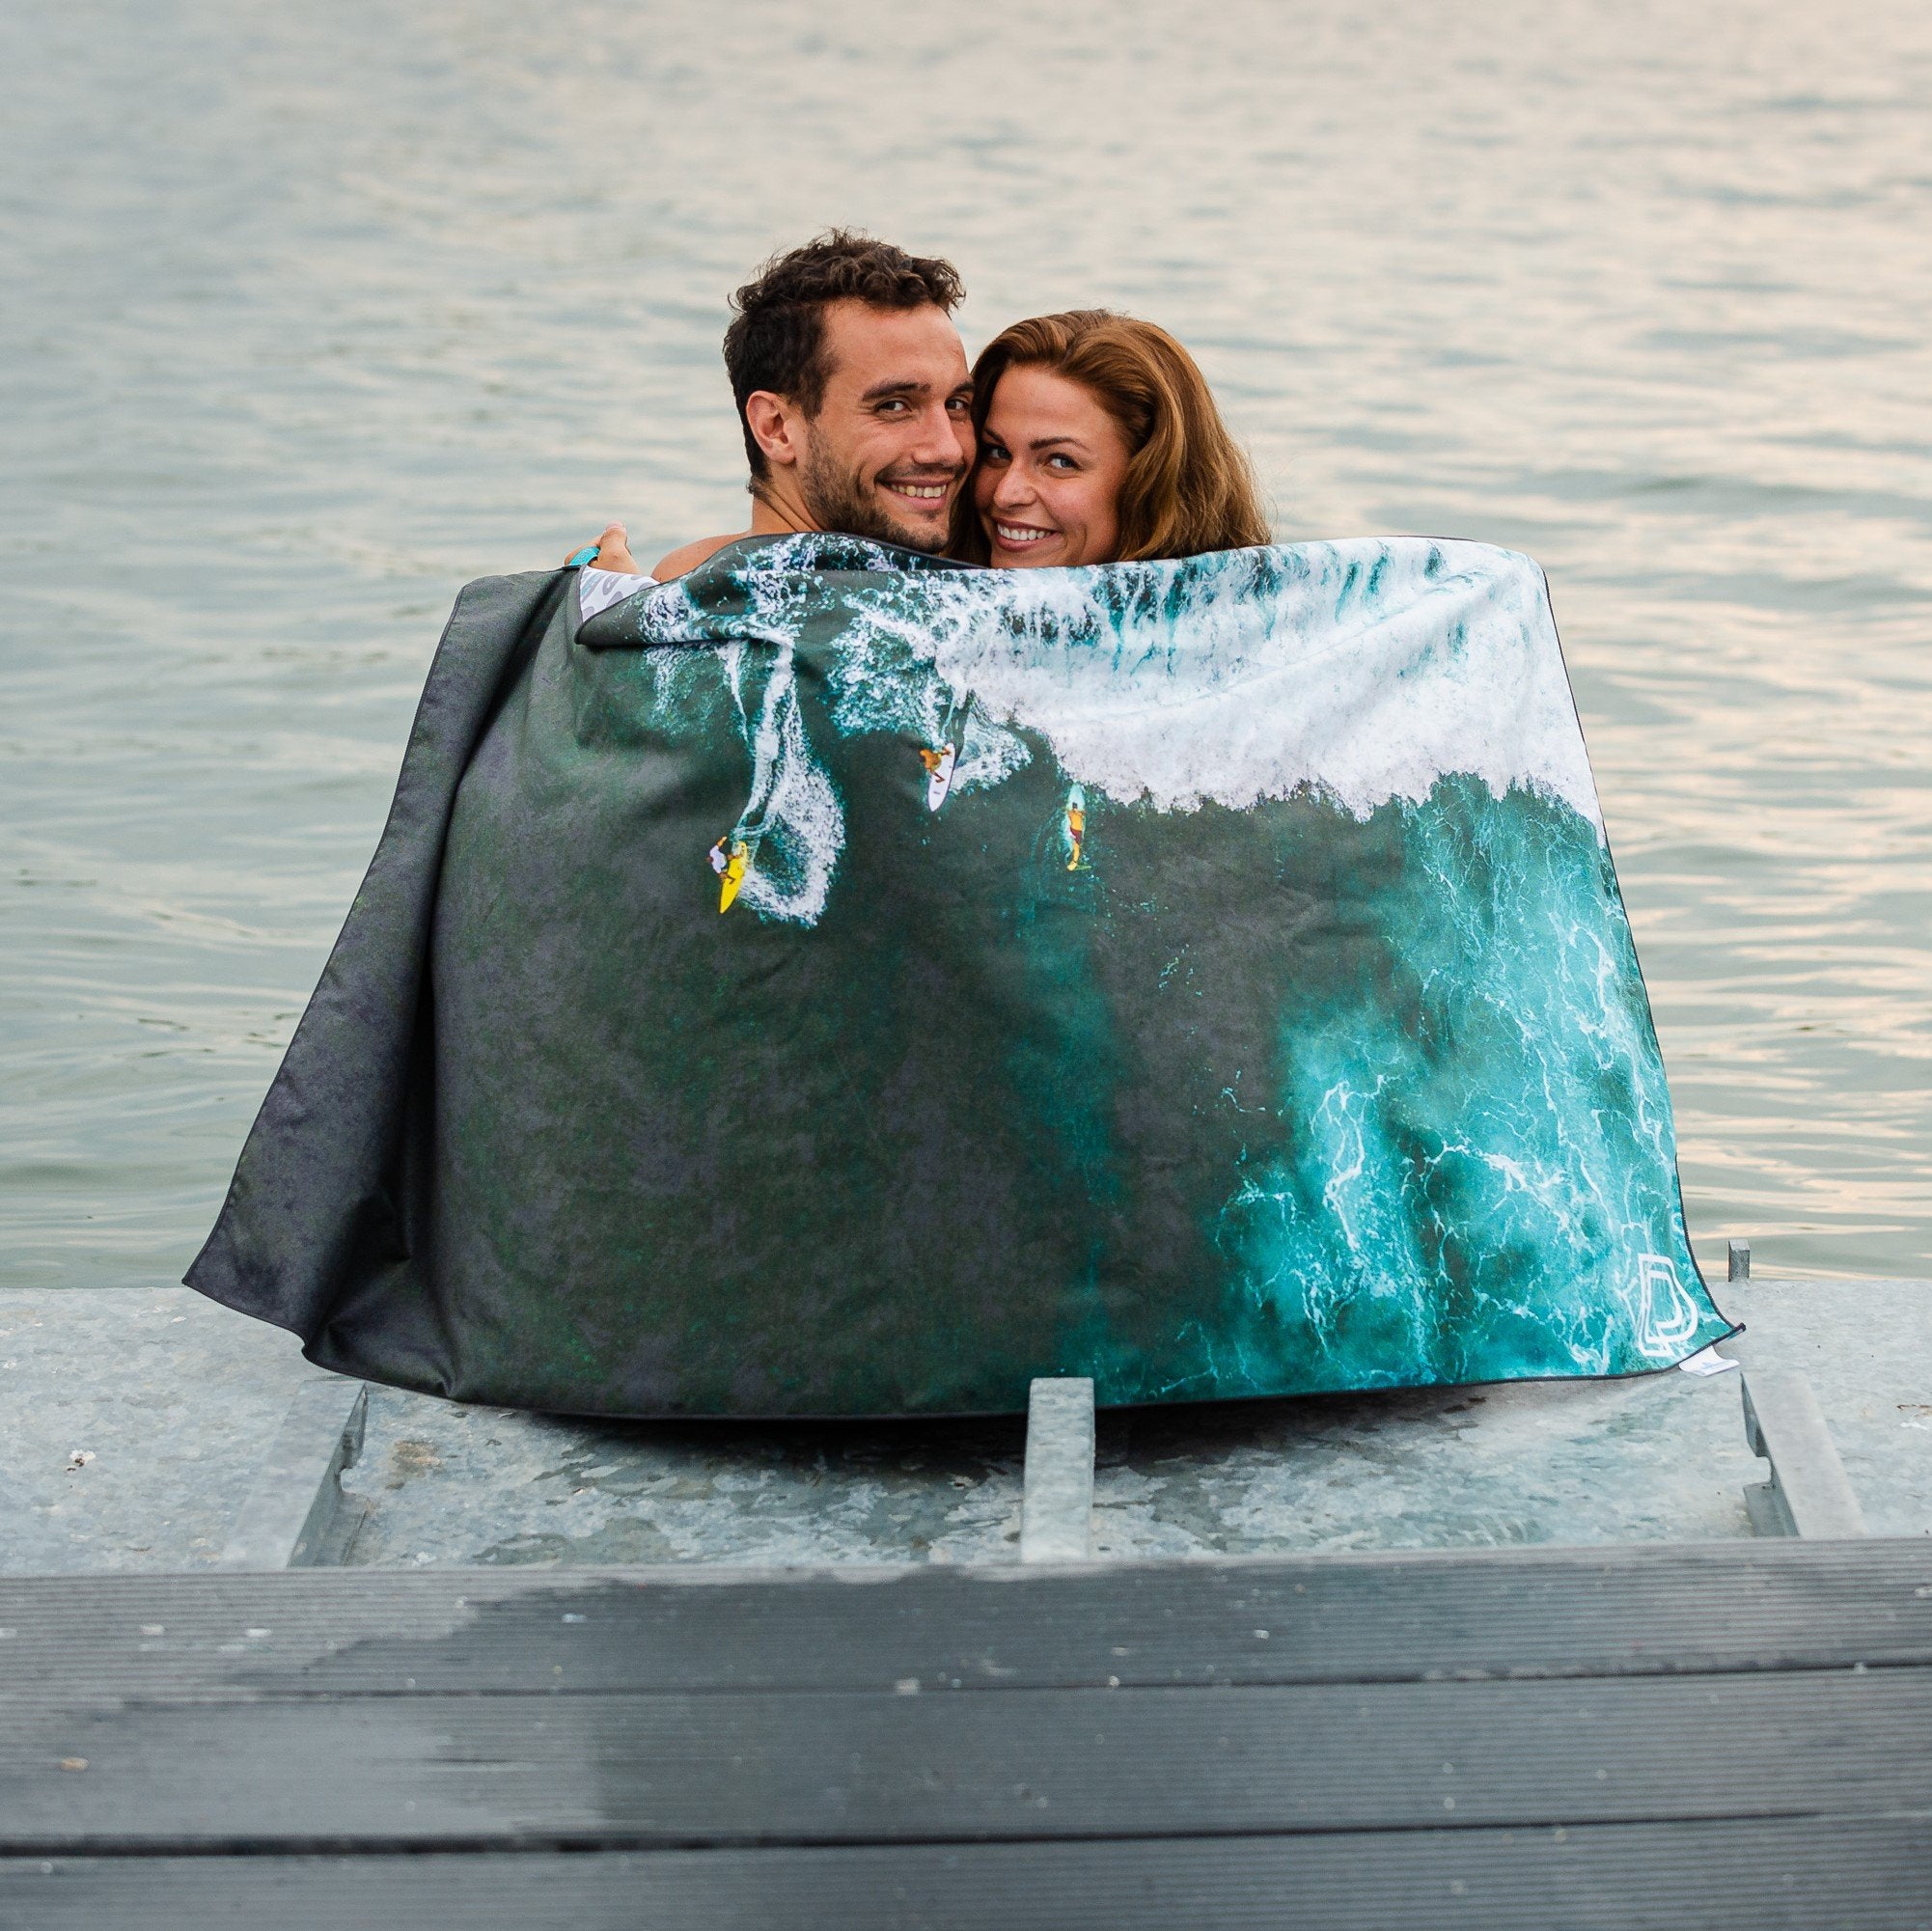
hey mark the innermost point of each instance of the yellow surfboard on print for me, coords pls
(730, 857)
(1076, 829)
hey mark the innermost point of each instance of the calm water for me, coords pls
(307, 316)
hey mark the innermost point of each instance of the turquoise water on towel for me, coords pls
(306, 318)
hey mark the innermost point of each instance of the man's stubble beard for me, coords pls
(839, 501)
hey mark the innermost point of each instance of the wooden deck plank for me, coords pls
(1851, 1875)
(614, 1770)
(1582, 1613)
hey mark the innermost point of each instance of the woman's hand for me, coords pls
(613, 552)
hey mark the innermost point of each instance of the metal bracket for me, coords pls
(1809, 1493)
(296, 1516)
(1057, 1510)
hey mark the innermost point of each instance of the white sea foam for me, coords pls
(1361, 672)
(1364, 670)
(793, 823)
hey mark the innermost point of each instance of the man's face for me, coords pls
(892, 443)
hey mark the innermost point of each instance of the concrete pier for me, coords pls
(135, 1426)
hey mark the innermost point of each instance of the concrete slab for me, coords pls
(172, 1401)
(453, 1484)
(130, 1422)
(1660, 1459)
(1057, 1502)
(1865, 1347)
(136, 1423)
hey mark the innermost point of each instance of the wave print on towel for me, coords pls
(1313, 853)
(840, 982)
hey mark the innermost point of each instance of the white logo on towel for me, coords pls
(1666, 1318)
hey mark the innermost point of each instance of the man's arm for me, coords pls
(613, 552)
(687, 559)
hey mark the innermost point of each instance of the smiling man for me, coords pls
(851, 386)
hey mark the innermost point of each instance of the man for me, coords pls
(854, 398)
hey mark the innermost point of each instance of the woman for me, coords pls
(1099, 442)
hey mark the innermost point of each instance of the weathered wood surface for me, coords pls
(1806, 1874)
(867, 1767)
(1725, 1735)
(1295, 1619)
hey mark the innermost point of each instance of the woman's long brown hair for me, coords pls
(1188, 487)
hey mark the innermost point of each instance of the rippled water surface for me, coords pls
(308, 315)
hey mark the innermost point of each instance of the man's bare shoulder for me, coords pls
(682, 562)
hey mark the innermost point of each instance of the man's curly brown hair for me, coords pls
(777, 337)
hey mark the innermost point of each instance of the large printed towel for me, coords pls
(841, 983)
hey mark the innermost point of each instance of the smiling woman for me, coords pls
(1100, 442)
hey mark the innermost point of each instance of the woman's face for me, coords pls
(1052, 461)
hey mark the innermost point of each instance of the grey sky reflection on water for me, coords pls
(313, 320)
